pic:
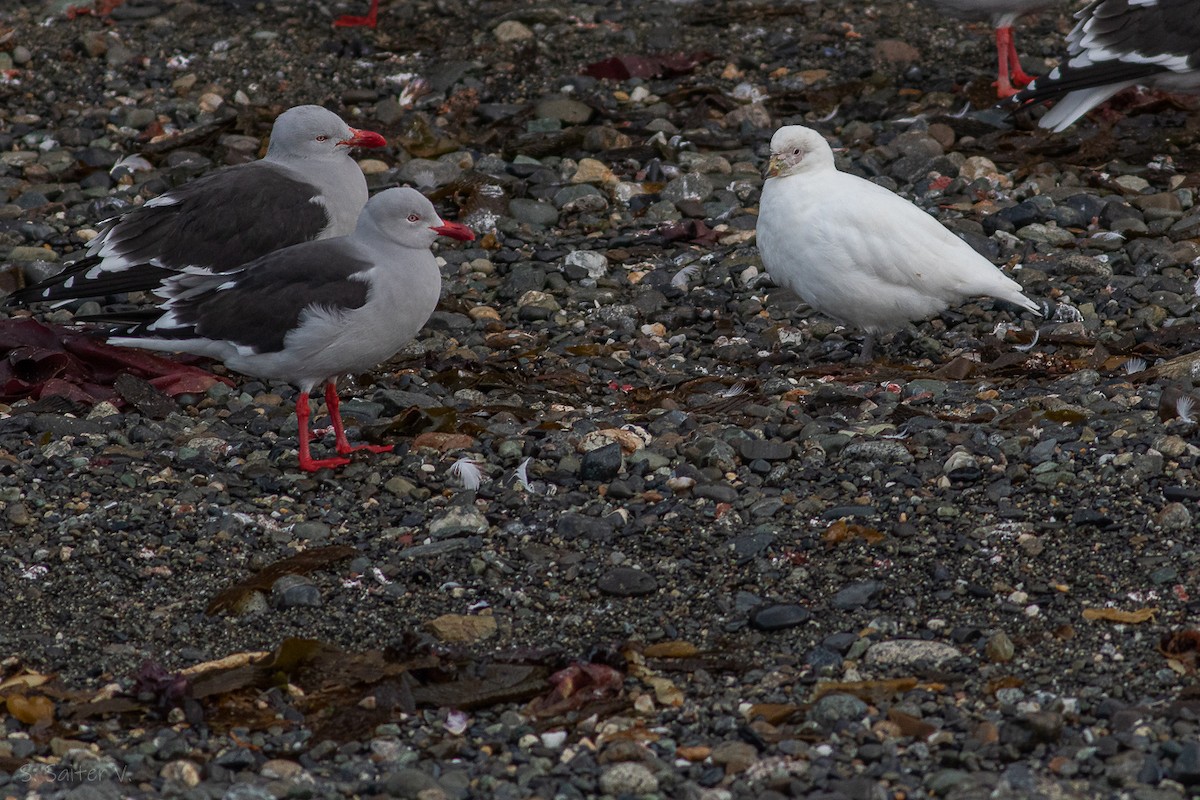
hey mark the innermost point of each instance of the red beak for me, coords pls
(364, 139)
(455, 231)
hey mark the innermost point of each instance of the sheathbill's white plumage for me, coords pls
(857, 252)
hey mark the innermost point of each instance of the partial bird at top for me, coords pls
(1003, 13)
(352, 21)
(306, 187)
(1117, 44)
(856, 251)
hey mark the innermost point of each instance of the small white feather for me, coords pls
(735, 390)
(680, 281)
(1025, 348)
(1134, 365)
(132, 163)
(467, 470)
(1184, 407)
(523, 475)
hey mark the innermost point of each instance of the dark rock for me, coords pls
(601, 464)
(626, 582)
(778, 617)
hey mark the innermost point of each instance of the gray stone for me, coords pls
(910, 654)
(837, 707)
(626, 582)
(628, 778)
(595, 264)
(693, 186)
(295, 591)
(885, 451)
(718, 492)
(779, 616)
(26, 253)
(856, 595)
(457, 521)
(532, 212)
(312, 531)
(511, 31)
(409, 783)
(572, 112)
(580, 198)
(765, 449)
(425, 174)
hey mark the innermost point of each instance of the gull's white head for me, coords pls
(796, 149)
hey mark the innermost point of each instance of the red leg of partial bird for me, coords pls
(1019, 76)
(1010, 71)
(307, 462)
(350, 21)
(339, 432)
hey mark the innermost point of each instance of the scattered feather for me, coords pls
(408, 95)
(1184, 406)
(523, 475)
(680, 281)
(1025, 348)
(400, 79)
(831, 114)
(1134, 365)
(131, 163)
(468, 472)
(735, 390)
(963, 113)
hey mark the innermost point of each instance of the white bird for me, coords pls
(858, 252)
(1117, 44)
(1003, 14)
(312, 312)
(306, 187)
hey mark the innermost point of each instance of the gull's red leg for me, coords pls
(339, 431)
(1010, 71)
(351, 21)
(1004, 87)
(307, 463)
(1019, 76)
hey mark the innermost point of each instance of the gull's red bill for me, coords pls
(455, 231)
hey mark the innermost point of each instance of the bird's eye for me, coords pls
(322, 138)
(413, 218)
(796, 152)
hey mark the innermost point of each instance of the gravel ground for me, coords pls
(736, 564)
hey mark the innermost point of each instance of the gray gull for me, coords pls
(306, 187)
(312, 312)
